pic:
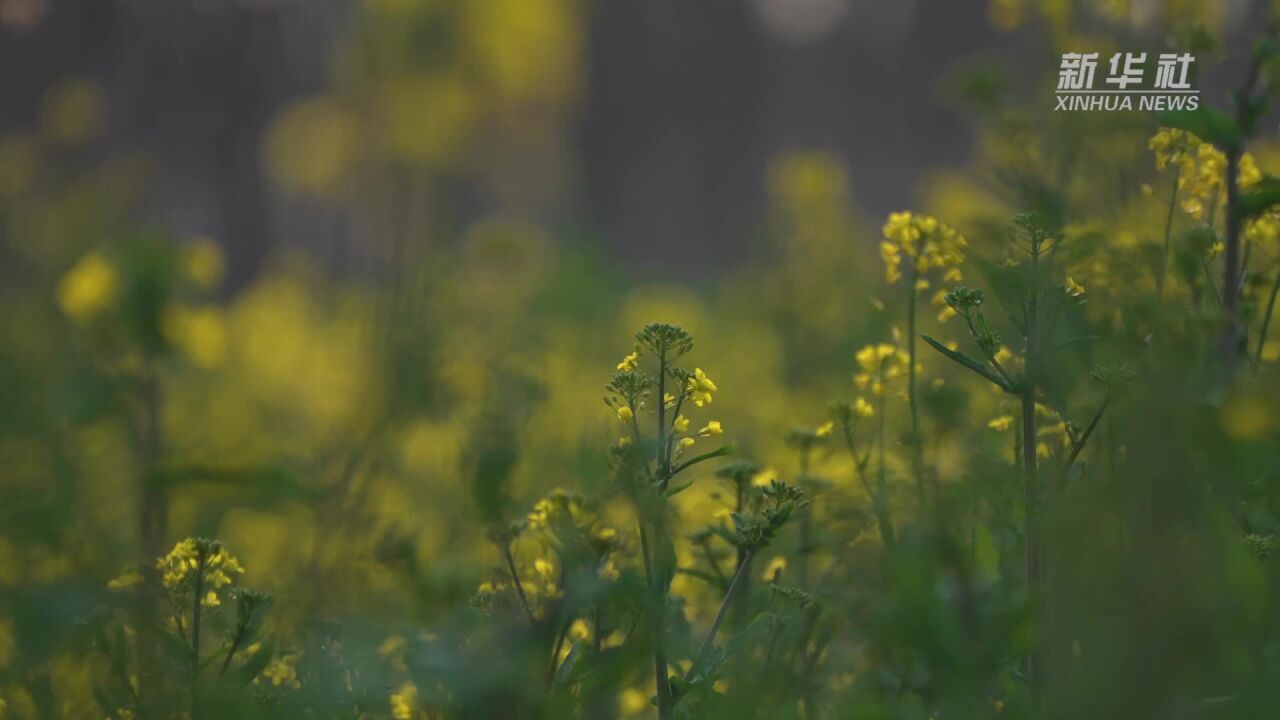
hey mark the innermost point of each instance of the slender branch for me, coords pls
(1266, 320)
(917, 445)
(1231, 275)
(235, 645)
(883, 519)
(1077, 446)
(197, 606)
(554, 664)
(1168, 233)
(515, 580)
(720, 614)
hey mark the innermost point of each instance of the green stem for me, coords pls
(917, 449)
(515, 580)
(859, 468)
(720, 614)
(1168, 233)
(1031, 489)
(1266, 320)
(1078, 446)
(196, 609)
(881, 481)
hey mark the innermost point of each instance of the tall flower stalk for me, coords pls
(922, 250)
(648, 463)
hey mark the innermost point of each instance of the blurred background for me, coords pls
(645, 126)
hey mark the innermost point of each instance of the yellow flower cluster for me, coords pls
(926, 244)
(282, 671)
(559, 507)
(193, 556)
(404, 702)
(1170, 146)
(700, 387)
(631, 362)
(878, 364)
(1201, 169)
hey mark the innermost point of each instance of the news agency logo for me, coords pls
(1126, 80)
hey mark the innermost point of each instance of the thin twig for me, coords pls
(720, 614)
(515, 580)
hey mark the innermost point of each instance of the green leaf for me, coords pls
(721, 452)
(673, 491)
(1208, 124)
(970, 363)
(1260, 198)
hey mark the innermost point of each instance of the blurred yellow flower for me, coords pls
(1246, 417)
(88, 288)
(282, 671)
(625, 413)
(200, 333)
(925, 243)
(73, 112)
(862, 408)
(633, 701)
(127, 580)
(1074, 289)
(312, 146)
(774, 569)
(404, 702)
(711, 428)
(1002, 423)
(681, 423)
(580, 630)
(203, 263)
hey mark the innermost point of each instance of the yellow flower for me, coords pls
(633, 702)
(867, 358)
(580, 630)
(774, 569)
(404, 702)
(824, 429)
(127, 580)
(1170, 145)
(1074, 289)
(88, 288)
(711, 428)
(878, 363)
(180, 567)
(685, 443)
(625, 414)
(200, 333)
(681, 423)
(700, 387)
(203, 263)
(629, 363)
(862, 408)
(927, 243)
(1002, 423)
(282, 672)
(1248, 174)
